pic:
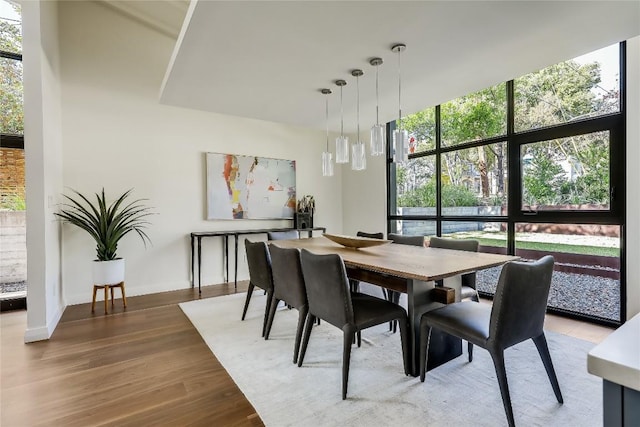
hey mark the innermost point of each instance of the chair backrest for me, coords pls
(288, 282)
(259, 263)
(406, 240)
(327, 286)
(520, 301)
(283, 235)
(370, 235)
(458, 245)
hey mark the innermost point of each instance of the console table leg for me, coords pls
(192, 264)
(199, 265)
(235, 277)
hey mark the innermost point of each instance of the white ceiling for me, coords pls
(267, 60)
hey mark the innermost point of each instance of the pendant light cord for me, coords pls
(326, 116)
(399, 92)
(358, 105)
(341, 114)
(377, 99)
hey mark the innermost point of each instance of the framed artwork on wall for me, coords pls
(250, 187)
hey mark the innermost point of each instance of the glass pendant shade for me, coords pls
(327, 164)
(400, 146)
(377, 140)
(358, 156)
(342, 149)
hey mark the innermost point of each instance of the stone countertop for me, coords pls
(617, 358)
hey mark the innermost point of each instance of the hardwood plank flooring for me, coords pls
(143, 365)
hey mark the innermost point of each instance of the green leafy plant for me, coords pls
(106, 224)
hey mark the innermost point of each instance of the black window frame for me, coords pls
(615, 123)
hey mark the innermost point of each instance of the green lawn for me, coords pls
(554, 247)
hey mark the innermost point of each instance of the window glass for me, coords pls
(586, 277)
(567, 173)
(414, 227)
(421, 127)
(416, 186)
(474, 117)
(11, 99)
(10, 27)
(474, 181)
(583, 87)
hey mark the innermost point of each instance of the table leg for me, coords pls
(199, 265)
(192, 263)
(443, 347)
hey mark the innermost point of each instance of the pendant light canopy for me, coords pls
(358, 151)
(400, 136)
(327, 157)
(377, 141)
(342, 142)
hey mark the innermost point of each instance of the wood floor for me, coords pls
(145, 366)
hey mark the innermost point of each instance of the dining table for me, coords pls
(411, 270)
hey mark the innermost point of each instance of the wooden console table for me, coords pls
(199, 235)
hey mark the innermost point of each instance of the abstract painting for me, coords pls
(250, 187)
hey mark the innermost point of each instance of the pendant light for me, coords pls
(342, 142)
(377, 131)
(358, 151)
(400, 136)
(327, 157)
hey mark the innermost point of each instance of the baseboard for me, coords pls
(132, 291)
(45, 332)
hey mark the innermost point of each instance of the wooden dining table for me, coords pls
(413, 271)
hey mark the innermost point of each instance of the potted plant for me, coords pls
(107, 224)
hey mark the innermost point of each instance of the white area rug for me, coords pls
(379, 394)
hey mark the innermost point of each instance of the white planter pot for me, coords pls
(108, 272)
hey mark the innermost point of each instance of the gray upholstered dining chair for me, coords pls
(355, 284)
(283, 235)
(330, 299)
(401, 240)
(260, 275)
(517, 315)
(468, 280)
(406, 240)
(288, 286)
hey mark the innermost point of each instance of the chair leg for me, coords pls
(543, 349)
(302, 316)
(246, 301)
(359, 338)
(404, 341)
(266, 310)
(272, 313)
(501, 373)
(305, 339)
(346, 359)
(470, 350)
(425, 337)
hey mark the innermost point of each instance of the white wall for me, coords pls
(116, 135)
(364, 197)
(43, 166)
(633, 177)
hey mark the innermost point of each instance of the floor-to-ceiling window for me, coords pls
(530, 166)
(12, 162)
